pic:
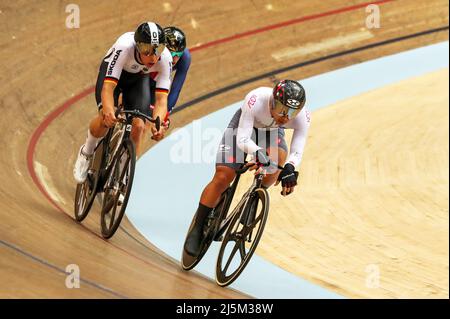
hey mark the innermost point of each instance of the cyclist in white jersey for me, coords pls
(126, 70)
(257, 128)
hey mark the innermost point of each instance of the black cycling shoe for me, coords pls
(193, 241)
(193, 244)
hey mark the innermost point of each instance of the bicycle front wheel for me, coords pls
(242, 235)
(117, 188)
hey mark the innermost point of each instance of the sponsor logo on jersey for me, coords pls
(113, 62)
(244, 140)
(251, 102)
(308, 116)
(224, 148)
(134, 66)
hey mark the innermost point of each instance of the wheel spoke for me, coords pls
(242, 249)
(230, 258)
(81, 199)
(253, 224)
(245, 231)
(248, 229)
(113, 213)
(125, 171)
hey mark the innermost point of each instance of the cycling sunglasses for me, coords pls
(149, 49)
(178, 54)
(284, 110)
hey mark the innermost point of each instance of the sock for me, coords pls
(202, 212)
(91, 143)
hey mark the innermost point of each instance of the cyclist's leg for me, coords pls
(137, 132)
(96, 127)
(229, 158)
(137, 96)
(95, 132)
(227, 161)
(149, 125)
(277, 150)
(223, 177)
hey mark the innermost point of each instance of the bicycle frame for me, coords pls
(257, 181)
(104, 164)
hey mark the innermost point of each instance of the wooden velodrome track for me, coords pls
(396, 218)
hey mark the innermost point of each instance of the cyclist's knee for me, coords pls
(97, 127)
(138, 127)
(223, 177)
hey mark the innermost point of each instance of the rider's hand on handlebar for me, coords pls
(109, 118)
(166, 124)
(252, 166)
(158, 135)
(261, 160)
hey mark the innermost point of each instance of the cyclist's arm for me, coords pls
(300, 125)
(108, 95)
(162, 86)
(160, 104)
(245, 130)
(182, 68)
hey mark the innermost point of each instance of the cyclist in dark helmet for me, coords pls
(176, 43)
(126, 70)
(257, 128)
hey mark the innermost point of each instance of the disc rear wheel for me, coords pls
(85, 195)
(188, 262)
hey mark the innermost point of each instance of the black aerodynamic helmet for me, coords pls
(150, 38)
(289, 97)
(175, 39)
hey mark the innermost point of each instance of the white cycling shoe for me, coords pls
(81, 166)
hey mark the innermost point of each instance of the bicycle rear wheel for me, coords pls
(247, 226)
(117, 188)
(212, 222)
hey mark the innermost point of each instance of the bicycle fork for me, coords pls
(248, 216)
